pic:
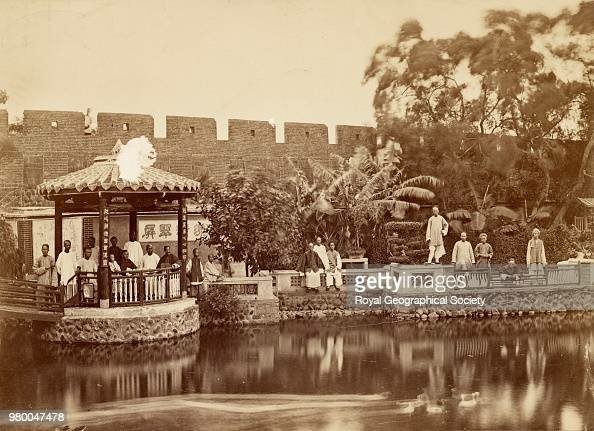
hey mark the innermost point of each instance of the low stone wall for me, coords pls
(251, 311)
(124, 324)
(511, 301)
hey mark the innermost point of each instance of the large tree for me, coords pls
(529, 76)
(253, 220)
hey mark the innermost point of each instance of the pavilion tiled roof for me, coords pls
(587, 202)
(103, 174)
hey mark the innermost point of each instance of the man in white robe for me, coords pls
(321, 251)
(154, 288)
(463, 254)
(211, 272)
(66, 268)
(150, 260)
(536, 259)
(437, 228)
(335, 268)
(94, 250)
(88, 281)
(134, 250)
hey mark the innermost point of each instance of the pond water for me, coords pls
(512, 373)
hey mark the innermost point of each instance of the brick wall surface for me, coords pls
(3, 123)
(190, 148)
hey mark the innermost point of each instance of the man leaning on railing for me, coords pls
(88, 265)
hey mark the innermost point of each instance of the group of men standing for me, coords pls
(463, 254)
(62, 270)
(318, 260)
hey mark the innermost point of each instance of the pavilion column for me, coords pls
(103, 273)
(58, 209)
(133, 223)
(182, 242)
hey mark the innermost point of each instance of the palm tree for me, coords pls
(363, 190)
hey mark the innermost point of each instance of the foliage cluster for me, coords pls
(252, 220)
(219, 303)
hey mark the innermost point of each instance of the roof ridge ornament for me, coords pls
(134, 157)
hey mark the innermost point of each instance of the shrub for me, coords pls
(404, 228)
(11, 258)
(220, 303)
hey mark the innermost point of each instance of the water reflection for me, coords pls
(497, 374)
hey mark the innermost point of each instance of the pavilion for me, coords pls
(99, 188)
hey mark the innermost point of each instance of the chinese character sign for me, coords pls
(154, 230)
(157, 230)
(165, 231)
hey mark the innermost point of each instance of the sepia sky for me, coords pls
(280, 60)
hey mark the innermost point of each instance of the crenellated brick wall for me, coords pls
(54, 143)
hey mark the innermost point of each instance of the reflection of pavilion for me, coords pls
(93, 374)
(126, 381)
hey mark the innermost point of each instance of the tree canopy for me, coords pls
(253, 220)
(455, 102)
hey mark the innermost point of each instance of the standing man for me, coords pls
(483, 252)
(45, 268)
(150, 260)
(168, 259)
(320, 249)
(66, 268)
(94, 250)
(88, 264)
(535, 254)
(195, 272)
(115, 250)
(437, 228)
(310, 264)
(134, 250)
(334, 272)
(462, 255)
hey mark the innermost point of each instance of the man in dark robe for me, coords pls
(115, 250)
(168, 259)
(126, 263)
(195, 272)
(312, 266)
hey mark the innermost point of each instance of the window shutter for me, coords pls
(25, 241)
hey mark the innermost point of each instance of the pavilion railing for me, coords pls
(86, 289)
(569, 275)
(551, 275)
(130, 287)
(139, 287)
(30, 295)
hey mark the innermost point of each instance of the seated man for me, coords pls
(312, 266)
(113, 264)
(334, 272)
(510, 271)
(126, 263)
(211, 272)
